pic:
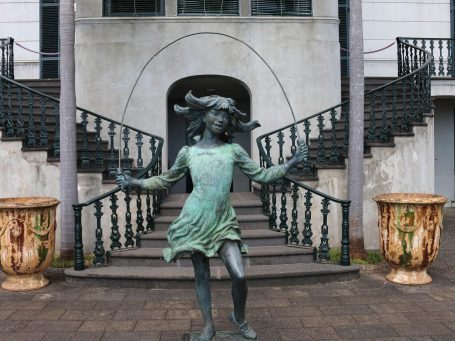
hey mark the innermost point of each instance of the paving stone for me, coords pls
(21, 336)
(360, 299)
(322, 321)
(352, 309)
(388, 308)
(140, 315)
(317, 301)
(421, 329)
(438, 306)
(133, 336)
(12, 326)
(169, 305)
(284, 293)
(384, 318)
(275, 322)
(449, 337)
(4, 314)
(123, 326)
(191, 314)
(171, 336)
(295, 311)
(70, 305)
(42, 315)
(157, 325)
(364, 331)
(269, 334)
(52, 326)
(70, 336)
(434, 316)
(327, 333)
(319, 292)
(451, 326)
(103, 294)
(250, 312)
(25, 305)
(88, 315)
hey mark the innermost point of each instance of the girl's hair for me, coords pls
(199, 106)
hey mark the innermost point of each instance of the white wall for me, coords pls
(19, 19)
(384, 20)
(110, 52)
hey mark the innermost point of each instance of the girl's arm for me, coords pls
(160, 182)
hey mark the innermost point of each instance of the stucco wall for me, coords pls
(384, 20)
(29, 174)
(20, 20)
(110, 53)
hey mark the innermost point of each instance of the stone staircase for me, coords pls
(269, 260)
(51, 87)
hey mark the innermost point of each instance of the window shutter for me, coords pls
(208, 7)
(343, 15)
(131, 8)
(49, 38)
(281, 7)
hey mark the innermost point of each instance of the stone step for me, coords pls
(246, 222)
(247, 207)
(263, 255)
(267, 237)
(179, 278)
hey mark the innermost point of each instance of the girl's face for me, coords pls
(216, 121)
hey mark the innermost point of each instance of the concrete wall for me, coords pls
(384, 20)
(110, 53)
(19, 19)
(29, 174)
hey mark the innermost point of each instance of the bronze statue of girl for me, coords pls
(207, 224)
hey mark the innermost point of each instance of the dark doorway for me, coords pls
(204, 86)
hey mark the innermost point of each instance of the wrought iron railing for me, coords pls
(7, 57)
(120, 219)
(390, 110)
(442, 50)
(33, 116)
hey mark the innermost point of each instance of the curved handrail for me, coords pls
(77, 107)
(428, 61)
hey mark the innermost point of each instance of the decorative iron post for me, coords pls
(345, 260)
(78, 246)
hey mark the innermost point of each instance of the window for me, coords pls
(49, 39)
(281, 7)
(208, 7)
(132, 8)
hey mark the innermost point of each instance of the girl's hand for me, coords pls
(301, 153)
(126, 181)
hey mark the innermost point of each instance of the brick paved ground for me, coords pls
(366, 309)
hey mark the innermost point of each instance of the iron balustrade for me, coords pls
(390, 110)
(442, 50)
(34, 117)
(7, 57)
(123, 208)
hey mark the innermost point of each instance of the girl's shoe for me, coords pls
(245, 330)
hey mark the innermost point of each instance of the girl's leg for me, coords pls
(202, 279)
(232, 258)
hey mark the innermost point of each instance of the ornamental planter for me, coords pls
(27, 240)
(410, 227)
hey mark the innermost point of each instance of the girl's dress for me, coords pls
(207, 218)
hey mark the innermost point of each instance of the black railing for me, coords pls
(442, 50)
(34, 117)
(7, 57)
(389, 110)
(144, 206)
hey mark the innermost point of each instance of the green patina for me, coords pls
(406, 256)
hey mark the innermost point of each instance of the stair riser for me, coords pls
(250, 225)
(185, 262)
(214, 283)
(161, 243)
(174, 211)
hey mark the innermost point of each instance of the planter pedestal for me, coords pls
(27, 241)
(410, 227)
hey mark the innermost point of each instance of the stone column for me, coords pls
(245, 8)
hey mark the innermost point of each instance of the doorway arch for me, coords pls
(205, 85)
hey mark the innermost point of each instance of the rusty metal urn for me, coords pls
(410, 226)
(27, 241)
